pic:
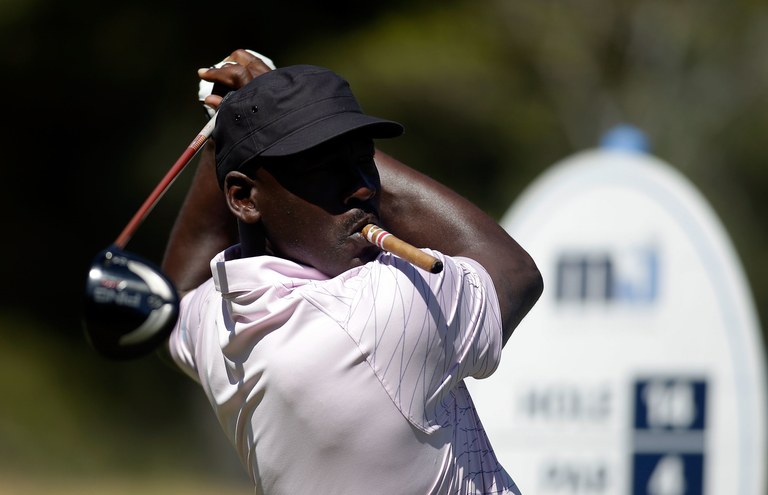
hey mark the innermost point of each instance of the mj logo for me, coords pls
(628, 276)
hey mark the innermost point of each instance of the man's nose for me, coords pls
(363, 189)
(363, 192)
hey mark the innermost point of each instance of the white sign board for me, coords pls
(641, 368)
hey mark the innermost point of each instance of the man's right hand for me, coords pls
(234, 72)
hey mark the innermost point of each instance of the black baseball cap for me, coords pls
(286, 111)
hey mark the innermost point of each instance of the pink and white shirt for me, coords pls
(352, 384)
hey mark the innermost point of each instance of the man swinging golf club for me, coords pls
(335, 367)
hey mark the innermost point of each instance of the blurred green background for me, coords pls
(100, 100)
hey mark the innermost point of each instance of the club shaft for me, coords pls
(388, 242)
(165, 183)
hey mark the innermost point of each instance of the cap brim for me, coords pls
(335, 125)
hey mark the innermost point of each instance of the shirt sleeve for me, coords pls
(424, 333)
(186, 333)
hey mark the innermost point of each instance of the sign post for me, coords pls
(641, 369)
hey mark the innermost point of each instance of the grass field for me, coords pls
(10, 485)
(74, 423)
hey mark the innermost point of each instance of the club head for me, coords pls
(130, 305)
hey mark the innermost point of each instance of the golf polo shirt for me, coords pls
(352, 384)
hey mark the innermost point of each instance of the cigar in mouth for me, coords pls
(388, 242)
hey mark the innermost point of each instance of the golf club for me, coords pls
(130, 305)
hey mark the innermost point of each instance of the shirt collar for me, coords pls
(234, 275)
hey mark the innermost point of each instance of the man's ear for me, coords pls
(241, 194)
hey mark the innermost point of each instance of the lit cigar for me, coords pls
(388, 242)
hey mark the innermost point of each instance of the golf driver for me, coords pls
(130, 305)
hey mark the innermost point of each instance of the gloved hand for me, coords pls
(207, 87)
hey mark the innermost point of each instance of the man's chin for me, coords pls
(370, 254)
(365, 256)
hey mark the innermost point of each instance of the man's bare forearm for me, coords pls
(426, 213)
(203, 228)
